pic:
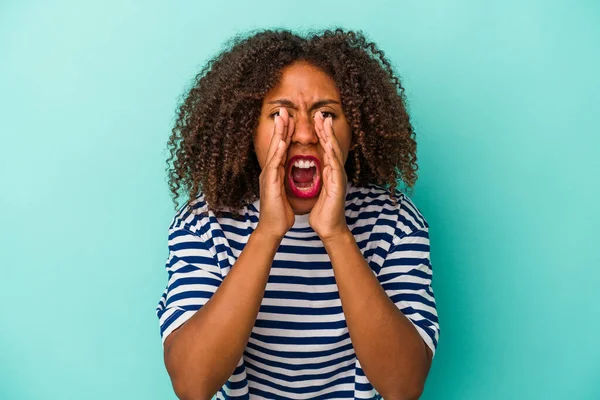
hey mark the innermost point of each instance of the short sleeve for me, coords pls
(193, 277)
(406, 277)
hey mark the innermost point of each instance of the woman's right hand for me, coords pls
(276, 215)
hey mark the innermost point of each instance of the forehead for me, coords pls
(304, 80)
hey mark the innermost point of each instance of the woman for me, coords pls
(295, 255)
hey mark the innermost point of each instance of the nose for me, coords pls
(304, 130)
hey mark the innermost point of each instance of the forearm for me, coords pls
(389, 348)
(203, 353)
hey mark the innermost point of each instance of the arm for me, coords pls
(391, 351)
(203, 353)
(394, 351)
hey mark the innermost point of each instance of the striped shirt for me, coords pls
(300, 347)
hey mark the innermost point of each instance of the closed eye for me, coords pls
(326, 114)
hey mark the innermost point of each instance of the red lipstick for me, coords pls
(304, 190)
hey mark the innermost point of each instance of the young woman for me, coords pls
(296, 269)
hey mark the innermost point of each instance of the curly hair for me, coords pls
(211, 145)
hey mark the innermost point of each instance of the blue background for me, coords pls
(504, 98)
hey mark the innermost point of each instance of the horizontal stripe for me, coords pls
(300, 346)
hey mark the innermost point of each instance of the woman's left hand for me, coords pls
(327, 217)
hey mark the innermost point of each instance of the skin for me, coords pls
(391, 352)
(302, 85)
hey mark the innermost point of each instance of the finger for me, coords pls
(284, 117)
(319, 128)
(277, 135)
(291, 129)
(333, 160)
(273, 165)
(279, 153)
(288, 139)
(327, 174)
(288, 126)
(325, 132)
(336, 169)
(331, 138)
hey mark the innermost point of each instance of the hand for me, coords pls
(327, 218)
(276, 214)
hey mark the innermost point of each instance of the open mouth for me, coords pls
(303, 176)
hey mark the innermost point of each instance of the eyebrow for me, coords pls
(290, 104)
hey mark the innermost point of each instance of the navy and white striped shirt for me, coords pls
(300, 347)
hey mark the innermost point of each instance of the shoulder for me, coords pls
(398, 209)
(197, 218)
(194, 217)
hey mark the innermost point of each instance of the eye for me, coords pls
(325, 114)
(328, 114)
(277, 113)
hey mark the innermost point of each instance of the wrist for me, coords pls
(343, 235)
(264, 235)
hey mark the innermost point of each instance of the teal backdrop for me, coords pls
(504, 98)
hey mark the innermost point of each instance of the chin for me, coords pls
(301, 206)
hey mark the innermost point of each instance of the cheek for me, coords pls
(345, 140)
(261, 147)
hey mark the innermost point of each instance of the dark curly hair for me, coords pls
(211, 145)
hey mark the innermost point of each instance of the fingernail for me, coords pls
(330, 121)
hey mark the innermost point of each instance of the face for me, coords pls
(303, 91)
